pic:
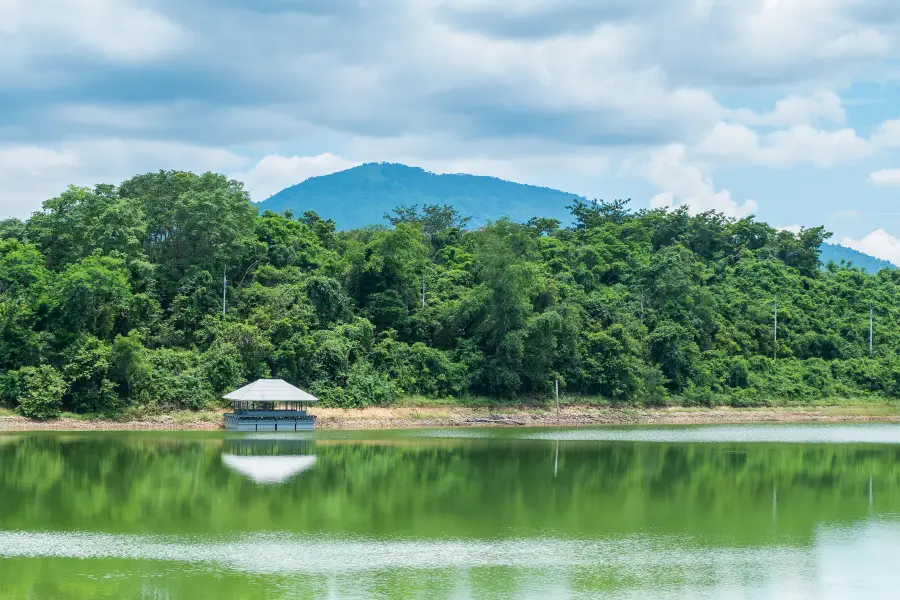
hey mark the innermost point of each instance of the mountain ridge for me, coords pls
(360, 196)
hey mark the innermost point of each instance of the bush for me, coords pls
(418, 369)
(40, 392)
(176, 380)
(85, 370)
(222, 367)
(366, 387)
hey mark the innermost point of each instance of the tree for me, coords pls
(118, 291)
(434, 218)
(194, 222)
(92, 295)
(594, 213)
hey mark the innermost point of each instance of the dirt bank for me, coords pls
(447, 416)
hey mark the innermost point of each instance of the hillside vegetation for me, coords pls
(841, 254)
(360, 196)
(111, 302)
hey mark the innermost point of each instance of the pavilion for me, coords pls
(270, 405)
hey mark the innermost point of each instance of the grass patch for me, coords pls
(82, 417)
(7, 412)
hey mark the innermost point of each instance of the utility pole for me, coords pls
(776, 329)
(870, 330)
(423, 288)
(224, 282)
(557, 402)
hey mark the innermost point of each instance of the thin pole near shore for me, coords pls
(557, 402)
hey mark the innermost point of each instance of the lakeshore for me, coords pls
(408, 417)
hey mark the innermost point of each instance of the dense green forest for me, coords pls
(111, 302)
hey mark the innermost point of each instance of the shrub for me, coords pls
(41, 391)
(366, 386)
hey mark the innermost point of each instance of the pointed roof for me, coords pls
(270, 390)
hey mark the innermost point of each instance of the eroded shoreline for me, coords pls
(450, 416)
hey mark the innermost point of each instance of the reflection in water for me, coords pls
(268, 460)
(401, 516)
(854, 561)
(880, 433)
(269, 469)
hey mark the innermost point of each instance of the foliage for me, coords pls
(38, 391)
(112, 297)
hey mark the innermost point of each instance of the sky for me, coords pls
(785, 109)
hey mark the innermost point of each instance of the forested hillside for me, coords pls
(358, 197)
(111, 300)
(837, 253)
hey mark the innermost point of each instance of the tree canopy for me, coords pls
(111, 300)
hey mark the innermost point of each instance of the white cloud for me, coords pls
(117, 30)
(822, 105)
(32, 174)
(795, 229)
(742, 43)
(738, 144)
(886, 177)
(803, 143)
(683, 183)
(273, 173)
(538, 91)
(879, 244)
(888, 134)
(730, 142)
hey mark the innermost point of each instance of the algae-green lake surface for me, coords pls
(753, 511)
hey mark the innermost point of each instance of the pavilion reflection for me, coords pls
(270, 460)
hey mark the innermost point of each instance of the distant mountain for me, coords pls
(837, 253)
(360, 196)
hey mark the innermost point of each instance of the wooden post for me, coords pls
(871, 352)
(557, 402)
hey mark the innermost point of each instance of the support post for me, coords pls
(871, 347)
(224, 282)
(775, 353)
(557, 401)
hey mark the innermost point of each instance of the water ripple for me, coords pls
(280, 553)
(887, 433)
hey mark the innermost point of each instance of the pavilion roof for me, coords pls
(270, 390)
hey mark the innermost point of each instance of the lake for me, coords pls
(724, 512)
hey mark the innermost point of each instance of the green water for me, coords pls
(716, 512)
